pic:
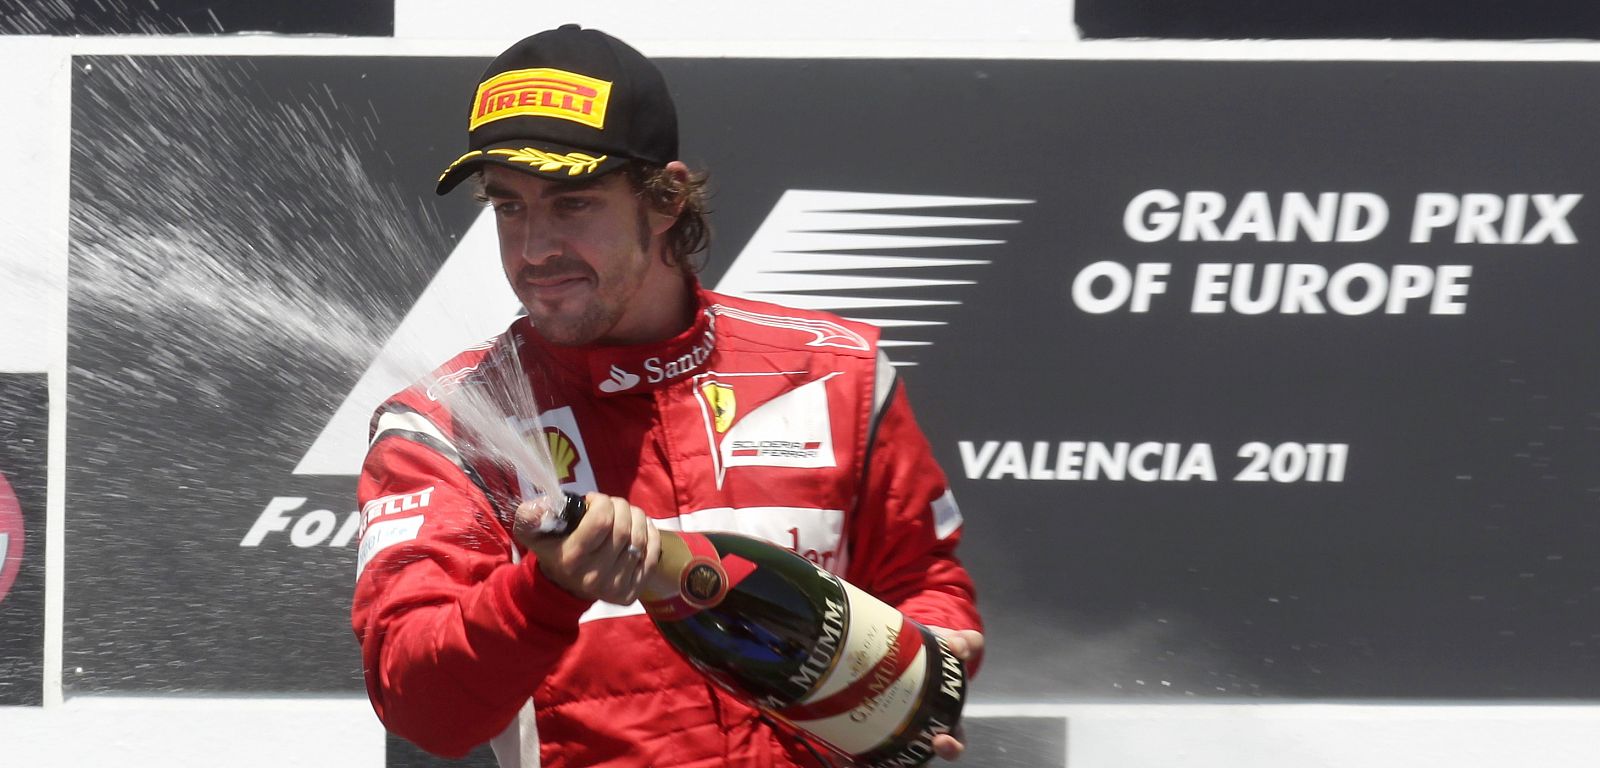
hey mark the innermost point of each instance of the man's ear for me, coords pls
(664, 214)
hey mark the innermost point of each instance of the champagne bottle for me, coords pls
(799, 643)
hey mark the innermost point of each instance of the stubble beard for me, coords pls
(590, 323)
(601, 313)
(593, 318)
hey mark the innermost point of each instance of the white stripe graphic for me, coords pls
(408, 422)
(811, 235)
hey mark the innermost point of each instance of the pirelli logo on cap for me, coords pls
(542, 93)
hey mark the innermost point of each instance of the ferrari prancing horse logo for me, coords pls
(720, 398)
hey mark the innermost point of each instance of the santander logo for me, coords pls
(620, 381)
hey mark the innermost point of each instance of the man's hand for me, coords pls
(967, 645)
(605, 558)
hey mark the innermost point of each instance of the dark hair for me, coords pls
(691, 235)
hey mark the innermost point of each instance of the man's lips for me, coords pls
(554, 282)
(554, 288)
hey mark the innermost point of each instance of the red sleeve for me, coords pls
(905, 532)
(454, 635)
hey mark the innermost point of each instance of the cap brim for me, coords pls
(549, 161)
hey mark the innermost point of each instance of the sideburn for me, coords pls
(642, 224)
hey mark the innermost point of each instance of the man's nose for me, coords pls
(539, 243)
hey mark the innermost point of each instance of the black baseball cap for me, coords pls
(568, 104)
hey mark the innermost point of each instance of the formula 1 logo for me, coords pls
(810, 237)
(11, 537)
(816, 249)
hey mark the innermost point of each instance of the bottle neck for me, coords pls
(663, 582)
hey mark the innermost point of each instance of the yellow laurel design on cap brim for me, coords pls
(575, 163)
(460, 160)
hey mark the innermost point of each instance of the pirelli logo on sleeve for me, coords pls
(542, 93)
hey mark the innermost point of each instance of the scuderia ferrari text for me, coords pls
(1390, 283)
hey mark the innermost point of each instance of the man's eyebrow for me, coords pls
(563, 187)
(498, 190)
(493, 189)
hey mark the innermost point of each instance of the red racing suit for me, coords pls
(774, 422)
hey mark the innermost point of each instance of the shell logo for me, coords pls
(11, 537)
(563, 455)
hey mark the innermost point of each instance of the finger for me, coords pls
(650, 555)
(639, 537)
(525, 528)
(652, 549)
(947, 747)
(964, 644)
(952, 640)
(622, 532)
(622, 579)
(594, 530)
(616, 589)
(632, 561)
(974, 641)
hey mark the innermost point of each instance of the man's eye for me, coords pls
(507, 208)
(573, 203)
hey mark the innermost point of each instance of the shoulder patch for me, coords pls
(818, 332)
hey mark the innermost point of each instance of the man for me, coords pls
(646, 384)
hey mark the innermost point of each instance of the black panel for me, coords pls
(1453, 560)
(24, 412)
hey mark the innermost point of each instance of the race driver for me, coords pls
(669, 405)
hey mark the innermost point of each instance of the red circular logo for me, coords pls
(704, 583)
(10, 537)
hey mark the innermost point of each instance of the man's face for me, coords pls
(582, 257)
